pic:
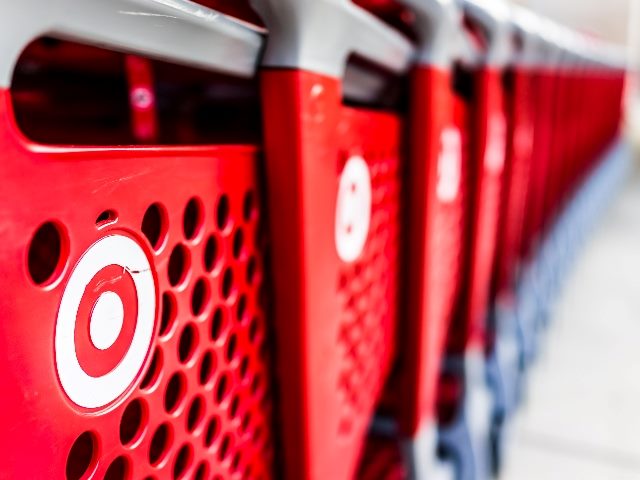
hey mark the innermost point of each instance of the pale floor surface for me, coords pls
(581, 419)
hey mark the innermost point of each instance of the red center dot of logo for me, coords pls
(106, 320)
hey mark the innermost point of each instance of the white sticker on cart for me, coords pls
(107, 312)
(353, 209)
(449, 165)
(496, 148)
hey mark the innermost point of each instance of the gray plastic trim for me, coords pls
(470, 53)
(438, 24)
(612, 56)
(319, 35)
(527, 25)
(571, 45)
(175, 30)
(494, 17)
(550, 50)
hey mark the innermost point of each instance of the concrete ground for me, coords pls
(581, 419)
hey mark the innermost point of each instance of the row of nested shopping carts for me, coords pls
(299, 239)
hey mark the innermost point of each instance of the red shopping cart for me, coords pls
(518, 168)
(435, 232)
(334, 188)
(543, 91)
(133, 326)
(436, 208)
(560, 136)
(486, 173)
(464, 399)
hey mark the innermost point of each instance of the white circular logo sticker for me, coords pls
(449, 165)
(105, 322)
(353, 209)
(496, 144)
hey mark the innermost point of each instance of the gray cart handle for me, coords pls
(319, 35)
(493, 16)
(179, 31)
(439, 27)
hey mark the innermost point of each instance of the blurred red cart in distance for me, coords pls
(435, 225)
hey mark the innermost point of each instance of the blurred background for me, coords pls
(581, 419)
(614, 20)
(604, 18)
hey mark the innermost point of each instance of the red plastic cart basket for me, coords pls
(464, 399)
(132, 332)
(486, 176)
(435, 224)
(334, 187)
(559, 155)
(543, 87)
(519, 103)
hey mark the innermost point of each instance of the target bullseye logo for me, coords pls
(353, 209)
(105, 321)
(449, 165)
(496, 144)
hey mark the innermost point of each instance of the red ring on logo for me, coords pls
(96, 362)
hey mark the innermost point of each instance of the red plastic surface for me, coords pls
(205, 382)
(569, 138)
(517, 178)
(436, 187)
(489, 142)
(335, 320)
(540, 162)
(559, 145)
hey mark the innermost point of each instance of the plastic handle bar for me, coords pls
(553, 44)
(319, 35)
(493, 17)
(527, 25)
(174, 30)
(439, 24)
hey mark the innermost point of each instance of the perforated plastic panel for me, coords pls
(517, 178)
(486, 177)
(134, 338)
(543, 84)
(367, 294)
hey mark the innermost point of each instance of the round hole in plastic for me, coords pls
(133, 422)
(119, 469)
(179, 263)
(160, 444)
(82, 457)
(154, 225)
(222, 212)
(211, 253)
(183, 461)
(193, 218)
(200, 296)
(175, 392)
(154, 370)
(47, 253)
(187, 343)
